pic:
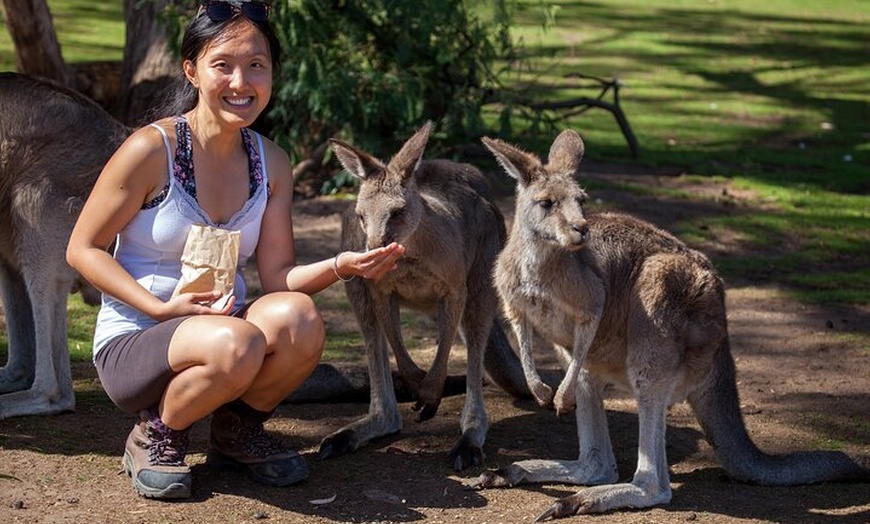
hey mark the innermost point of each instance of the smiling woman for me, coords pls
(175, 354)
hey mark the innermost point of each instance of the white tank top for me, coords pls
(150, 247)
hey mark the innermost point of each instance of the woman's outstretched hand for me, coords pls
(372, 264)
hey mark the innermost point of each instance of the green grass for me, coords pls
(774, 96)
(87, 31)
(80, 330)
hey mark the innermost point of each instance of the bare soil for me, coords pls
(803, 371)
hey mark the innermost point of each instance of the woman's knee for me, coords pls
(311, 328)
(242, 344)
(291, 317)
(229, 346)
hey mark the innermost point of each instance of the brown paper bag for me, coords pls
(208, 262)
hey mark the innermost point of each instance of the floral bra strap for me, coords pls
(183, 170)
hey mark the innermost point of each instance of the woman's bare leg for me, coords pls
(261, 358)
(295, 337)
(216, 358)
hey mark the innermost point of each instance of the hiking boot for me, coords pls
(239, 440)
(154, 458)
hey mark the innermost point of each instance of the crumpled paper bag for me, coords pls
(208, 262)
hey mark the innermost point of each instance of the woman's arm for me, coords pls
(276, 257)
(135, 173)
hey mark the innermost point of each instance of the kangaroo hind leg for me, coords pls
(383, 417)
(595, 464)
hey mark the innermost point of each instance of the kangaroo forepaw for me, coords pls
(564, 407)
(426, 410)
(565, 400)
(543, 393)
(465, 454)
(337, 444)
(413, 379)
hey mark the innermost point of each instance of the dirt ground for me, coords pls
(804, 378)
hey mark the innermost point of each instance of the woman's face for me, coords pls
(234, 75)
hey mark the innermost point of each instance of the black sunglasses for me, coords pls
(223, 10)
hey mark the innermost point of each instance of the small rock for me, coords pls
(18, 504)
(260, 515)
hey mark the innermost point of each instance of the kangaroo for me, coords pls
(53, 144)
(442, 212)
(641, 311)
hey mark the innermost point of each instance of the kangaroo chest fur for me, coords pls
(555, 292)
(416, 284)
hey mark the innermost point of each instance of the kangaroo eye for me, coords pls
(397, 213)
(362, 221)
(546, 203)
(581, 200)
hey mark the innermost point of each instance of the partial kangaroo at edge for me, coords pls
(442, 213)
(642, 312)
(53, 144)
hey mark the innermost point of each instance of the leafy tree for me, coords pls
(37, 51)
(373, 71)
(147, 68)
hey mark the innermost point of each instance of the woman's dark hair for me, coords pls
(200, 33)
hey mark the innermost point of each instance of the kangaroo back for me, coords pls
(50, 135)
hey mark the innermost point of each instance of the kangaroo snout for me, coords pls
(380, 237)
(376, 243)
(578, 235)
(583, 229)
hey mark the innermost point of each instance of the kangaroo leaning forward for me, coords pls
(642, 312)
(452, 232)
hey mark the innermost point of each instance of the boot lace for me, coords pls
(166, 446)
(258, 443)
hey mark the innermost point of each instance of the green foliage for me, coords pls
(372, 71)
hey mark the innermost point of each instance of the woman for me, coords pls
(176, 359)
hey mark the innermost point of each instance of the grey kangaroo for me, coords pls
(53, 144)
(641, 311)
(442, 213)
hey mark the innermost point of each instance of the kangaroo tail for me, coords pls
(716, 404)
(503, 366)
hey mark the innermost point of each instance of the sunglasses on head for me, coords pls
(223, 10)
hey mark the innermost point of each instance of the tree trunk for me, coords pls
(37, 51)
(149, 65)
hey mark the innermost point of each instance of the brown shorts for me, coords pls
(134, 368)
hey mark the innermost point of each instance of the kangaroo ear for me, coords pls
(408, 158)
(358, 163)
(517, 163)
(566, 152)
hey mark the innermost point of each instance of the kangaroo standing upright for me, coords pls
(641, 311)
(452, 232)
(53, 144)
